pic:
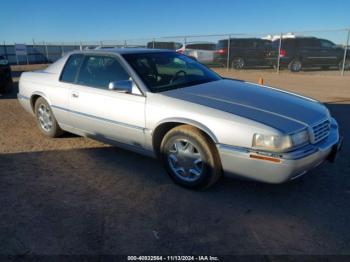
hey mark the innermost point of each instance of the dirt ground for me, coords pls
(73, 195)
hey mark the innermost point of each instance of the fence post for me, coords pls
(5, 51)
(125, 44)
(62, 49)
(185, 43)
(34, 53)
(279, 54)
(47, 51)
(16, 55)
(153, 42)
(27, 57)
(228, 52)
(345, 52)
(81, 46)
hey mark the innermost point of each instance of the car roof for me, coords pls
(200, 42)
(296, 38)
(122, 51)
(247, 39)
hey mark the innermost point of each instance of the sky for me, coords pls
(69, 20)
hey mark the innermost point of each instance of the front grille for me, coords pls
(321, 131)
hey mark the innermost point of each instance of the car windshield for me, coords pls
(163, 71)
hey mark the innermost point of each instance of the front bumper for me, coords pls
(238, 161)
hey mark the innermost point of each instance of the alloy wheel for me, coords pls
(45, 117)
(185, 160)
(296, 66)
(238, 63)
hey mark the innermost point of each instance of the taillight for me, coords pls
(282, 53)
(221, 51)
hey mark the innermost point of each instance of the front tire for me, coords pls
(46, 120)
(190, 157)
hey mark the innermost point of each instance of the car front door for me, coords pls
(330, 53)
(248, 49)
(102, 113)
(310, 51)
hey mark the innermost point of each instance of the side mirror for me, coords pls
(123, 86)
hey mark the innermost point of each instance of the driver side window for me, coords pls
(98, 71)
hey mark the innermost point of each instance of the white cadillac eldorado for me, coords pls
(166, 105)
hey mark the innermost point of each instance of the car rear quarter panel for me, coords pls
(46, 85)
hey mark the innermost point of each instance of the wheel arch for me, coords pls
(34, 97)
(166, 125)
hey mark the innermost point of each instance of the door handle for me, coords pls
(75, 94)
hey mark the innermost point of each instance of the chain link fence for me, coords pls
(307, 51)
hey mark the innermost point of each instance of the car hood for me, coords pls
(279, 109)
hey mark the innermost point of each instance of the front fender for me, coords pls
(187, 121)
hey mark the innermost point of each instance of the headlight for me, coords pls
(271, 142)
(278, 143)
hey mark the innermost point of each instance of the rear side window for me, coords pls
(309, 42)
(235, 43)
(164, 45)
(201, 46)
(286, 43)
(71, 68)
(264, 43)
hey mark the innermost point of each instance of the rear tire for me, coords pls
(46, 120)
(238, 63)
(190, 157)
(295, 66)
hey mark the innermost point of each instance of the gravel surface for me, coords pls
(73, 195)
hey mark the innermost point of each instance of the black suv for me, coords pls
(301, 52)
(164, 45)
(5, 75)
(244, 52)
